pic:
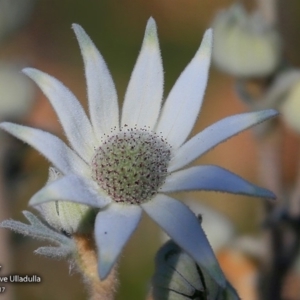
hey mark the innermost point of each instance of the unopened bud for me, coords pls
(68, 217)
(177, 276)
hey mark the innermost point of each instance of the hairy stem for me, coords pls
(87, 263)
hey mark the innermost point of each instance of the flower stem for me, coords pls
(270, 153)
(268, 10)
(87, 263)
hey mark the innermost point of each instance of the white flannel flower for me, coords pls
(127, 165)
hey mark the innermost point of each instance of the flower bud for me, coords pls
(244, 44)
(177, 276)
(68, 217)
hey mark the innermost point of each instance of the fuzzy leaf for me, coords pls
(54, 252)
(38, 230)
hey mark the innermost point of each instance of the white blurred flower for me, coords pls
(290, 107)
(16, 92)
(282, 94)
(244, 44)
(127, 165)
(13, 14)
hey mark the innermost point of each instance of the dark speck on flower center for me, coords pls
(131, 165)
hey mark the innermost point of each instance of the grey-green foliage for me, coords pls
(178, 277)
(38, 230)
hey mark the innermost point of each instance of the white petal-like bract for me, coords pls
(70, 112)
(113, 228)
(102, 94)
(71, 188)
(216, 134)
(54, 149)
(184, 228)
(212, 178)
(145, 89)
(183, 104)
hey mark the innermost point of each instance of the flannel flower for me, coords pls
(128, 164)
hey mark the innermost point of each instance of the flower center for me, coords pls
(131, 165)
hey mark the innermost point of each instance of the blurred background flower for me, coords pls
(17, 93)
(13, 15)
(245, 44)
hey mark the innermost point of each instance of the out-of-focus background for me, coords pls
(44, 40)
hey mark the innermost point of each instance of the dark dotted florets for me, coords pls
(131, 165)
